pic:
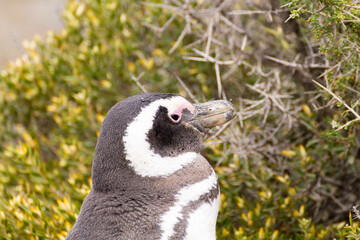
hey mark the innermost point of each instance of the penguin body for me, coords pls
(149, 179)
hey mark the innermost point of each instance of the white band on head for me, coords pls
(142, 159)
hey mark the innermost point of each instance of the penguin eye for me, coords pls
(175, 118)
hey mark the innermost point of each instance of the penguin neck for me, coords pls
(109, 171)
(117, 172)
(155, 165)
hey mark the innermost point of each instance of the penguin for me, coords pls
(149, 179)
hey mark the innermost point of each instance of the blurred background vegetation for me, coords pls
(289, 165)
(21, 19)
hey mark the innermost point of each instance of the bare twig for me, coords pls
(333, 67)
(208, 58)
(159, 5)
(231, 24)
(218, 79)
(217, 133)
(164, 27)
(342, 102)
(249, 12)
(180, 38)
(136, 80)
(210, 29)
(187, 90)
(295, 65)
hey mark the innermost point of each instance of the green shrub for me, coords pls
(284, 170)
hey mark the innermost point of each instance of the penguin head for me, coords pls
(152, 135)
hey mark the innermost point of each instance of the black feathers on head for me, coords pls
(171, 139)
(110, 168)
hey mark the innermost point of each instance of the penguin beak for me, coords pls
(211, 114)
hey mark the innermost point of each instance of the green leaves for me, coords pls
(282, 167)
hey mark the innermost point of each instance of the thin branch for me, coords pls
(231, 24)
(347, 124)
(210, 29)
(333, 67)
(208, 58)
(243, 44)
(187, 90)
(218, 79)
(136, 80)
(290, 17)
(220, 130)
(249, 12)
(191, 45)
(164, 27)
(341, 101)
(158, 5)
(179, 40)
(293, 64)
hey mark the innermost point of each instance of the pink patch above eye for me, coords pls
(176, 115)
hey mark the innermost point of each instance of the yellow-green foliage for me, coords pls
(53, 100)
(52, 103)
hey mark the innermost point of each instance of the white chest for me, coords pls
(201, 222)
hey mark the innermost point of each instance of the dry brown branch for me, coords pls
(187, 90)
(249, 12)
(158, 5)
(342, 102)
(180, 38)
(136, 80)
(221, 129)
(208, 43)
(208, 58)
(164, 27)
(333, 67)
(295, 65)
(218, 79)
(231, 24)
